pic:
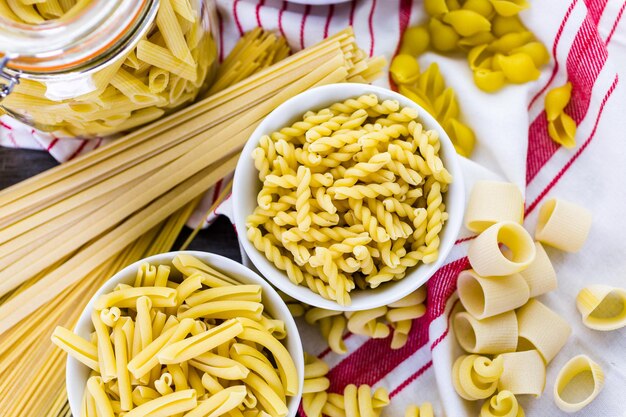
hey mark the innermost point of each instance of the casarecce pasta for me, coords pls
(155, 357)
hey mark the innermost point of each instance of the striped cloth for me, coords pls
(588, 41)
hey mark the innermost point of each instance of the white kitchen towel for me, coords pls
(588, 42)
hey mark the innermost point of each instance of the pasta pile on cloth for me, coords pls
(586, 42)
(351, 196)
(198, 344)
(502, 317)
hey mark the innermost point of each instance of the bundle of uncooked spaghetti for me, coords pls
(62, 233)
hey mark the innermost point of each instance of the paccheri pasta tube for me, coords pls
(524, 373)
(563, 225)
(486, 255)
(488, 296)
(542, 329)
(352, 196)
(492, 202)
(491, 335)
(539, 275)
(173, 360)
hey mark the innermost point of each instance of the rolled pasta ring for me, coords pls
(602, 307)
(488, 258)
(578, 383)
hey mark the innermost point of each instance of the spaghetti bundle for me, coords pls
(64, 231)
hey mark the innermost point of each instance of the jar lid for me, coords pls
(81, 40)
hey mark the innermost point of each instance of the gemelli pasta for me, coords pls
(149, 357)
(352, 196)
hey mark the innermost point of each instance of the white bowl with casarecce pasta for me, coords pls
(348, 197)
(183, 332)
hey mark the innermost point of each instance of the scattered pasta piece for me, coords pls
(503, 404)
(563, 225)
(556, 100)
(492, 202)
(563, 130)
(561, 126)
(423, 410)
(487, 258)
(476, 377)
(524, 373)
(578, 383)
(314, 394)
(352, 197)
(542, 329)
(492, 335)
(415, 41)
(404, 69)
(485, 297)
(141, 344)
(373, 323)
(357, 402)
(540, 275)
(602, 307)
(429, 91)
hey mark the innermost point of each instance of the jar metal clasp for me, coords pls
(12, 79)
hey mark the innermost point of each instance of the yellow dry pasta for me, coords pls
(540, 275)
(542, 329)
(487, 258)
(524, 373)
(578, 383)
(356, 164)
(491, 335)
(423, 410)
(489, 296)
(561, 126)
(476, 377)
(602, 307)
(189, 42)
(503, 404)
(77, 347)
(491, 202)
(160, 363)
(563, 225)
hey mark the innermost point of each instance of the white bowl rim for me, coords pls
(75, 386)
(287, 113)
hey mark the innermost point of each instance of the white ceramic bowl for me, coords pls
(77, 373)
(247, 185)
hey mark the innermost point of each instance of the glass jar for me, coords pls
(97, 67)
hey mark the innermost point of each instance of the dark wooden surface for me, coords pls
(17, 165)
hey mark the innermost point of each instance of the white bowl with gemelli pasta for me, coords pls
(188, 333)
(348, 197)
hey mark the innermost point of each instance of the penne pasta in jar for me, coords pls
(116, 64)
